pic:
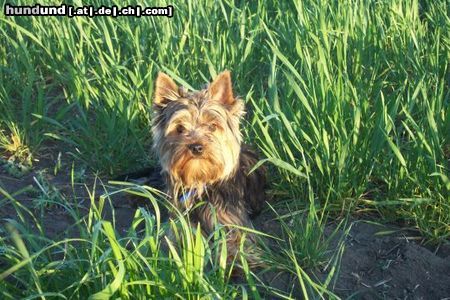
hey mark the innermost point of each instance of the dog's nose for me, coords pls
(196, 149)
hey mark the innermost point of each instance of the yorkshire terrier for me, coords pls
(197, 139)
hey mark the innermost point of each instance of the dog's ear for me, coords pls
(165, 90)
(221, 89)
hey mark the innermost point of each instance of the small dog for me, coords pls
(197, 138)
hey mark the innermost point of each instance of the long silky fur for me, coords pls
(221, 178)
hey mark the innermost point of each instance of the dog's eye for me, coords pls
(212, 127)
(180, 129)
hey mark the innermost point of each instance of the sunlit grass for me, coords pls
(348, 103)
(154, 258)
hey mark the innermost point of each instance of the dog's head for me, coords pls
(196, 134)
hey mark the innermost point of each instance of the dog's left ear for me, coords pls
(221, 89)
(166, 90)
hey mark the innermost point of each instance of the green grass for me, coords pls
(153, 259)
(348, 104)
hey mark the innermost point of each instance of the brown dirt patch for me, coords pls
(391, 266)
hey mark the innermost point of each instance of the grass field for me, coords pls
(348, 103)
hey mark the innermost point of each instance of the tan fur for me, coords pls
(214, 106)
(198, 141)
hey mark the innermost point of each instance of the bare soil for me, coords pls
(374, 265)
(386, 262)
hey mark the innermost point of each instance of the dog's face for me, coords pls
(196, 134)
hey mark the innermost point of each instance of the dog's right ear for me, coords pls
(221, 89)
(166, 90)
